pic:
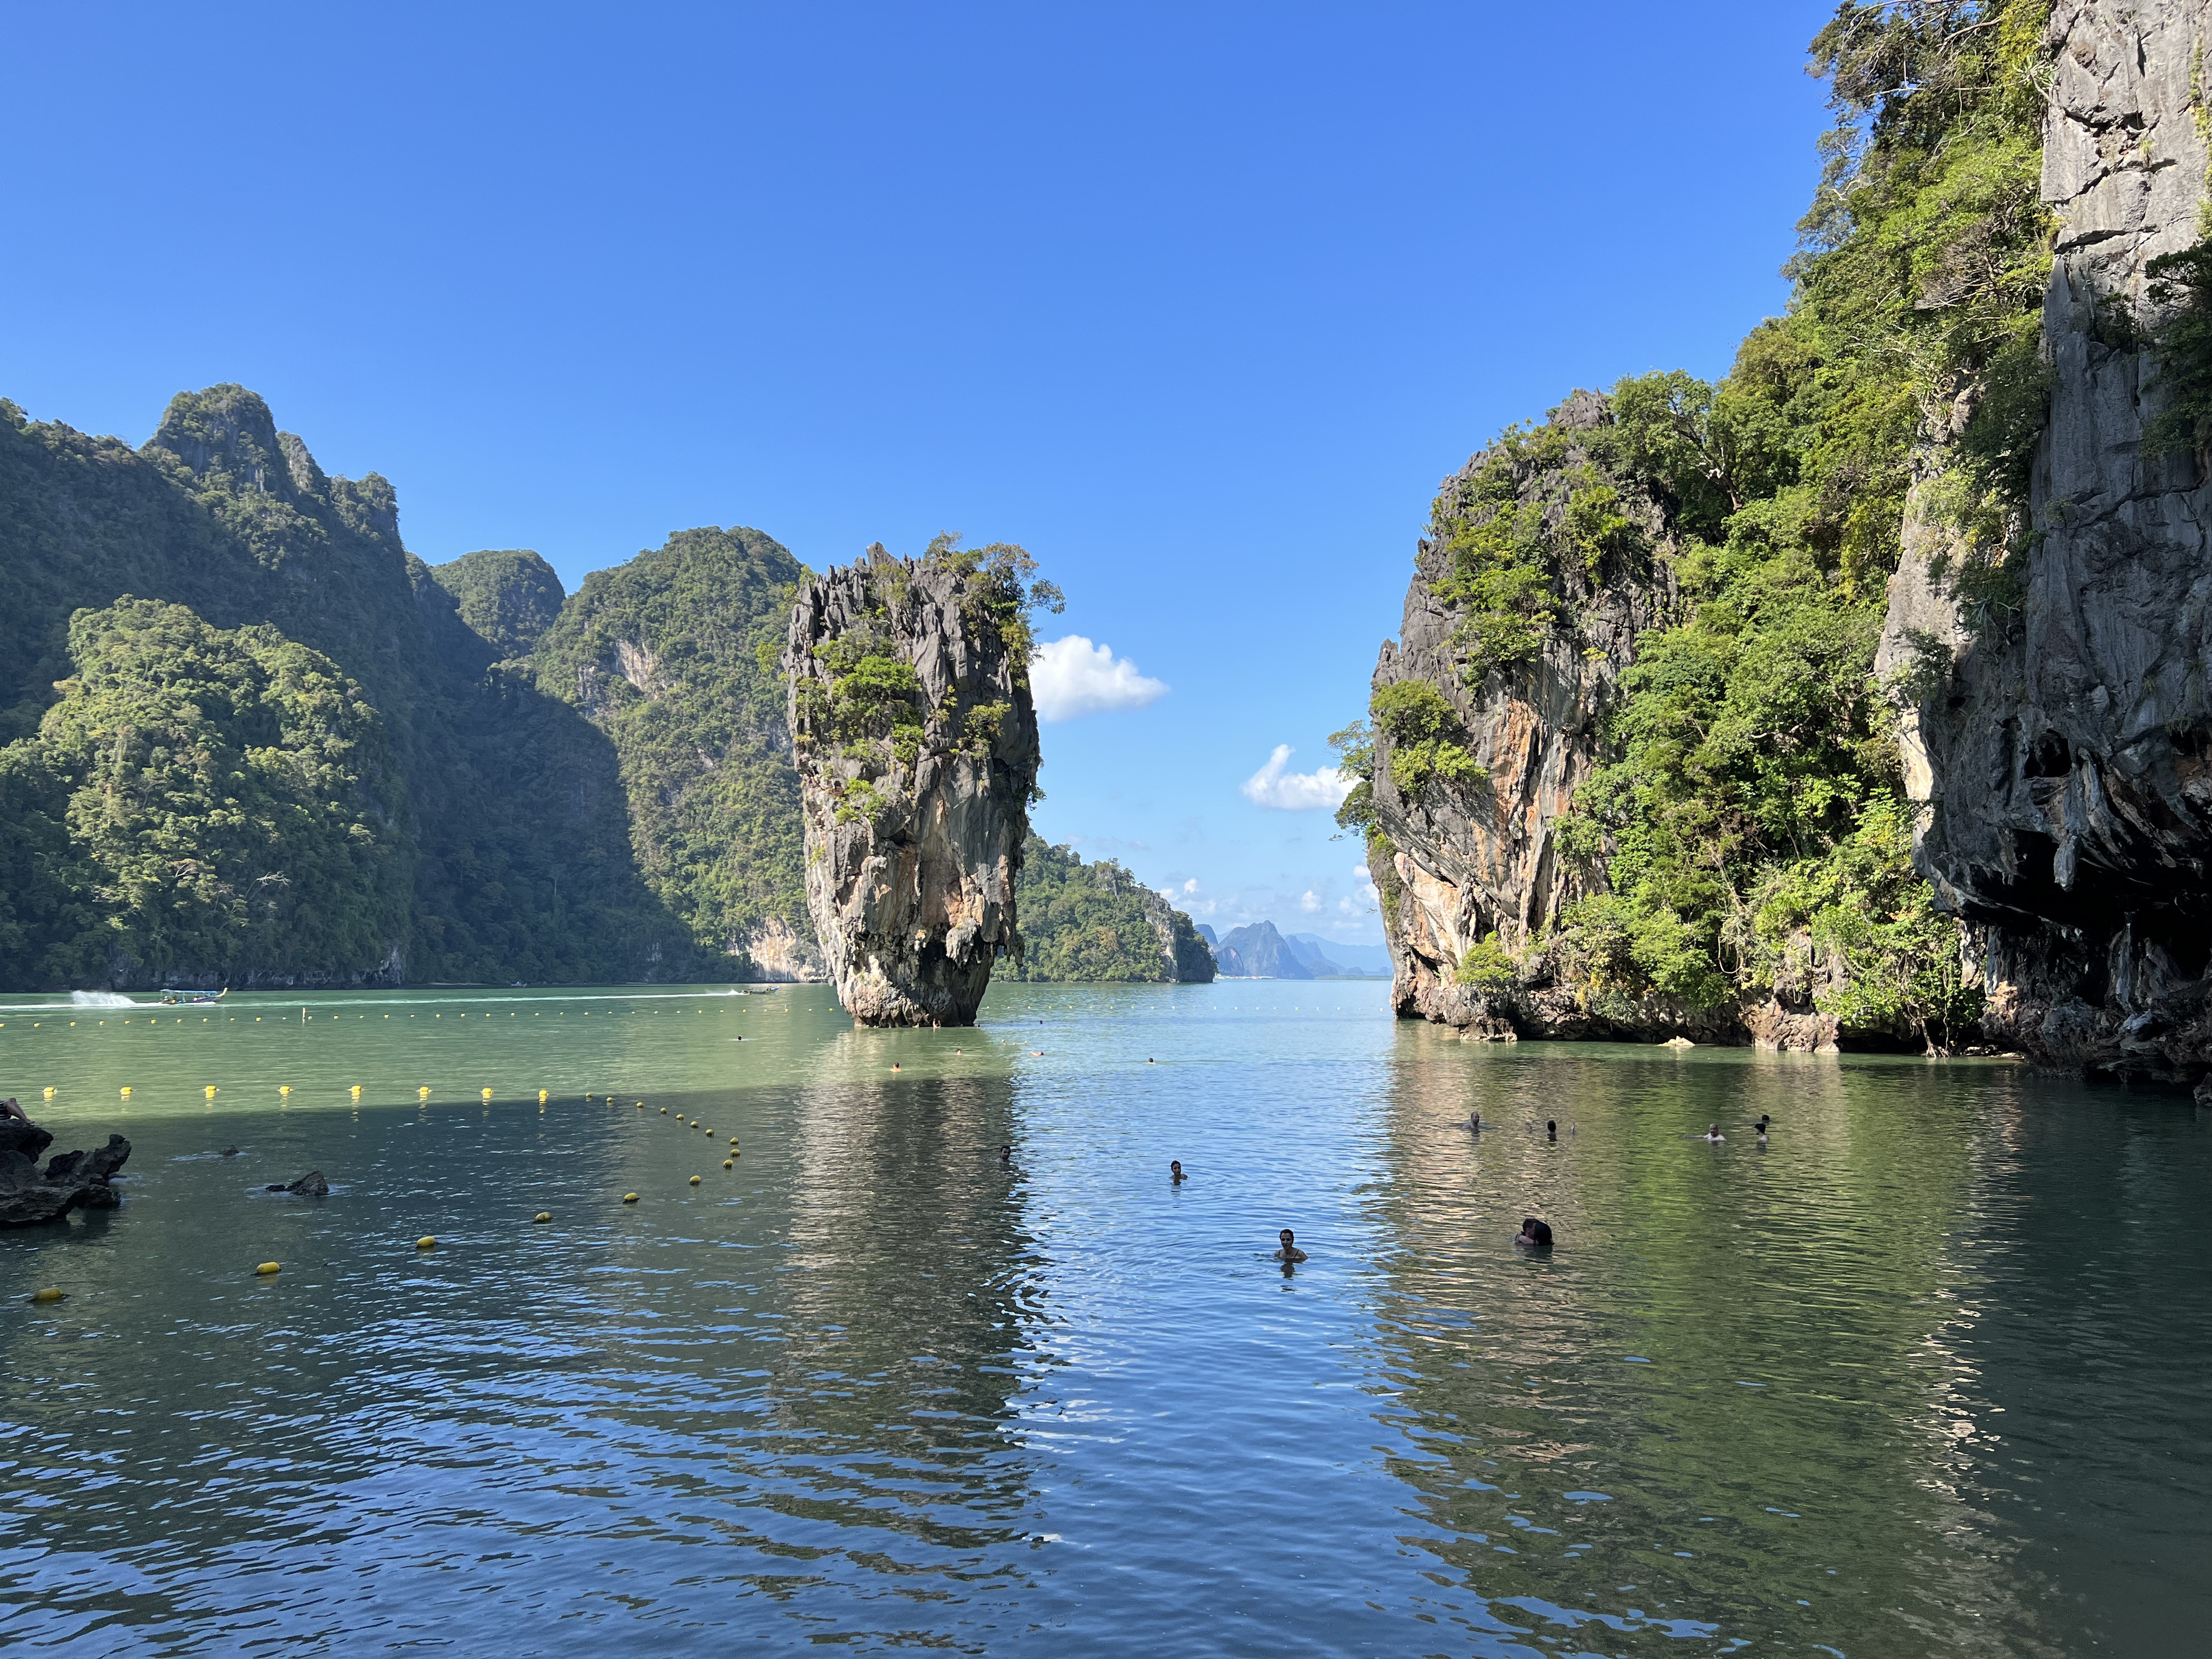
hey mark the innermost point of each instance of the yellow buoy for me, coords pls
(487, 1094)
(422, 1094)
(268, 1268)
(729, 1164)
(52, 1293)
(694, 1181)
(640, 1104)
(356, 1091)
(208, 1091)
(50, 1094)
(543, 1215)
(541, 1096)
(126, 1094)
(663, 1110)
(629, 1197)
(426, 1242)
(283, 1088)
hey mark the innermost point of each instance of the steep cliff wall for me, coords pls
(2061, 754)
(916, 745)
(1476, 760)
(1631, 770)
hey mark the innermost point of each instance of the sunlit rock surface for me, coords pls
(915, 804)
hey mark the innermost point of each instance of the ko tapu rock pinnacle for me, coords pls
(916, 745)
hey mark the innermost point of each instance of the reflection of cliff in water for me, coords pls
(909, 1283)
(1747, 1337)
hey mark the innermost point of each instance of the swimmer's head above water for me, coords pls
(1175, 1171)
(1290, 1252)
(1536, 1234)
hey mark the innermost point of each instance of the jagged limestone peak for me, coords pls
(916, 745)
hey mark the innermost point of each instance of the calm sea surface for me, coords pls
(1928, 1374)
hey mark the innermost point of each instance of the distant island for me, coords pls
(1258, 950)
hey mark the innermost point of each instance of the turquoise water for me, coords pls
(1925, 1375)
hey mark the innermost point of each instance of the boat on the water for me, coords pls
(193, 999)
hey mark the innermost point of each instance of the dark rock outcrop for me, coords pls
(310, 1185)
(1257, 950)
(2061, 754)
(916, 745)
(71, 1180)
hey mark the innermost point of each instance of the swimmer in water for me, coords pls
(1761, 1126)
(1290, 1252)
(1551, 1129)
(1005, 1155)
(1474, 1123)
(1712, 1133)
(1534, 1235)
(1175, 1171)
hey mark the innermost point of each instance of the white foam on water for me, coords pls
(100, 1000)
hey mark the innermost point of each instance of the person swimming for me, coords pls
(1712, 1133)
(1290, 1252)
(1474, 1123)
(1175, 1171)
(1761, 1125)
(1534, 1234)
(1005, 1155)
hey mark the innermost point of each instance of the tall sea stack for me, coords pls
(916, 745)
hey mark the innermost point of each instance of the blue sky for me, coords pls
(1198, 303)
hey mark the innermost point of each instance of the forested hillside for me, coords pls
(274, 747)
(672, 656)
(1098, 922)
(1630, 769)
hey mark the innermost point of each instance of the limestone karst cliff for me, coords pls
(916, 745)
(1632, 768)
(2060, 748)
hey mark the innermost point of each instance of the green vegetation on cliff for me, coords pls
(671, 655)
(1751, 814)
(507, 595)
(202, 800)
(511, 818)
(1098, 922)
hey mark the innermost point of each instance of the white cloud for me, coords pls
(1295, 792)
(1070, 677)
(1309, 901)
(1191, 886)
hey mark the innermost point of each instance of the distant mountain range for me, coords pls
(1257, 950)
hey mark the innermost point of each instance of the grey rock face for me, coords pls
(1188, 959)
(916, 797)
(71, 1180)
(2064, 762)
